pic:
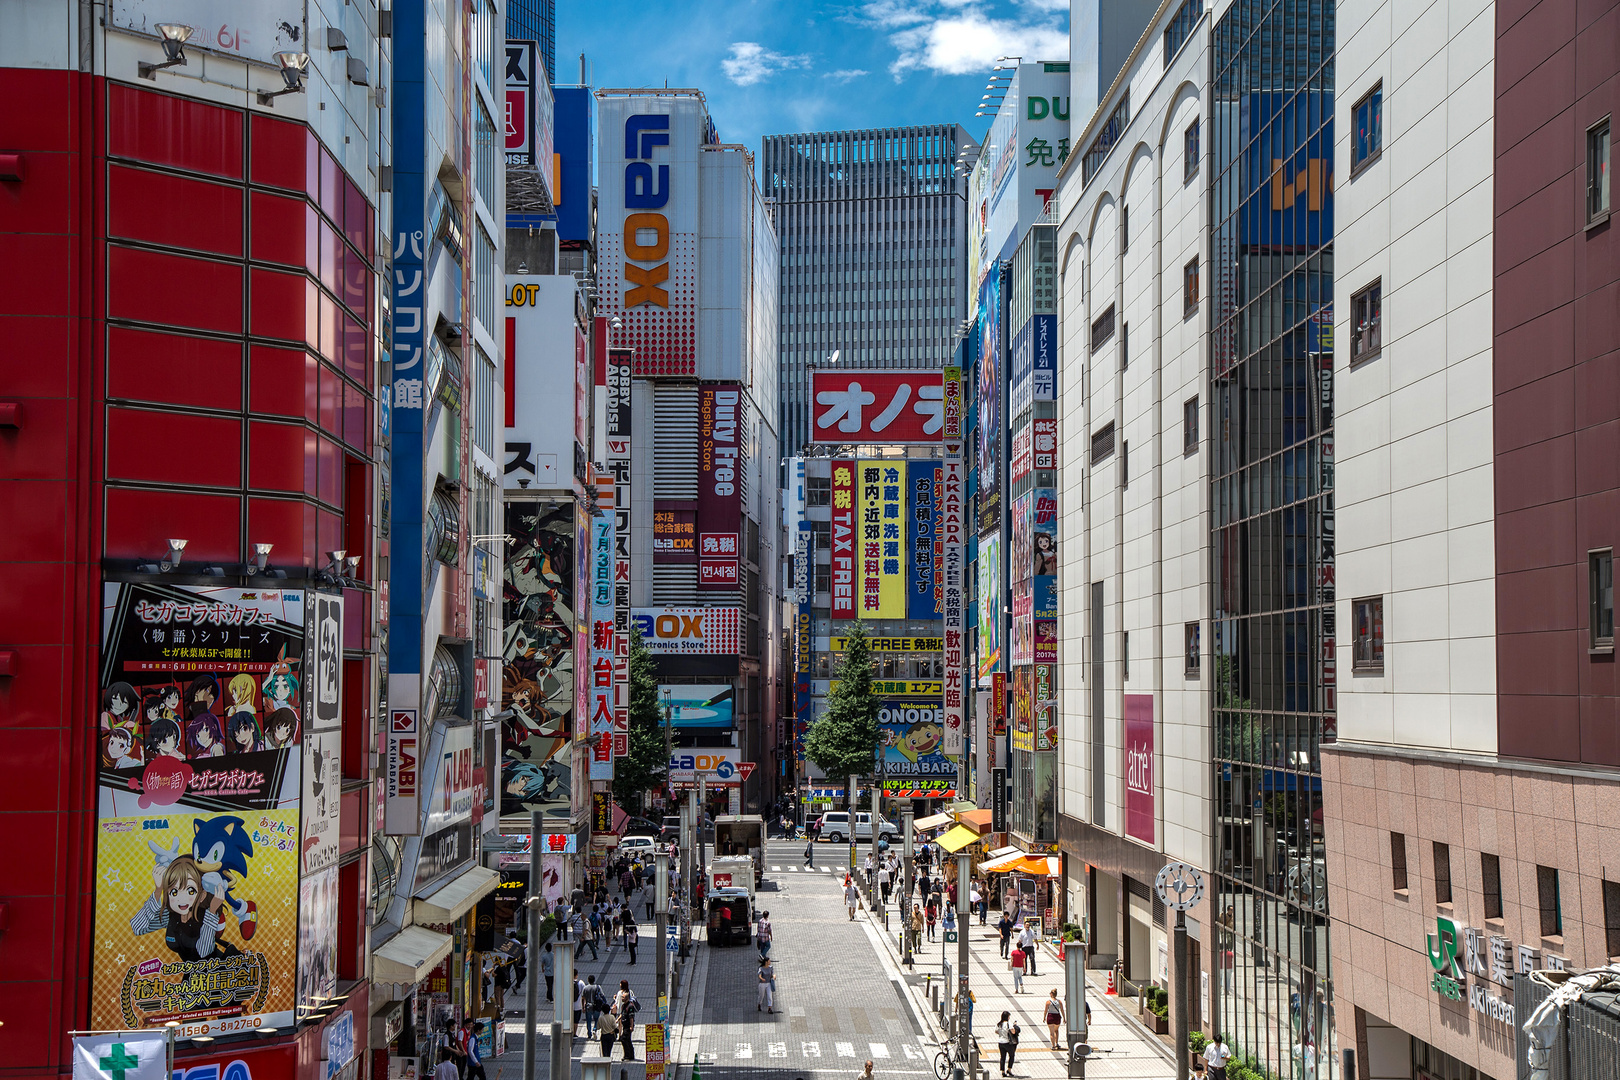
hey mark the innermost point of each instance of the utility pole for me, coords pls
(531, 995)
(877, 830)
(661, 908)
(905, 905)
(686, 875)
(964, 1021)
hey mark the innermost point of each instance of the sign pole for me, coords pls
(964, 1003)
(1074, 977)
(1180, 887)
(531, 994)
(906, 933)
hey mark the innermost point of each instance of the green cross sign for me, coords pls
(119, 1062)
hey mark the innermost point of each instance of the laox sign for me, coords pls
(642, 191)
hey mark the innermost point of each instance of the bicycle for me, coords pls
(945, 1060)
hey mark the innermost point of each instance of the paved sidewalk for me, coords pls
(1121, 1047)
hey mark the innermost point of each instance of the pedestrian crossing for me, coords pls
(815, 1048)
(807, 869)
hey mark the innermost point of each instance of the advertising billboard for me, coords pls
(925, 551)
(952, 491)
(602, 652)
(619, 419)
(989, 606)
(1043, 573)
(1139, 815)
(705, 705)
(1022, 733)
(317, 940)
(719, 502)
(542, 448)
(575, 147)
(991, 424)
(674, 531)
(1046, 730)
(913, 738)
(537, 669)
(841, 537)
(880, 487)
(520, 102)
(720, 766)
(876, 406)
(647, 225)
(1034, 363)
(448, 833)
(1027, 143)
(715, 631)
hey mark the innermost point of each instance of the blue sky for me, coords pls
(772, 67)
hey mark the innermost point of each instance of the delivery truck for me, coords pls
(742, 834)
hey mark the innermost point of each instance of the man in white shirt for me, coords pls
(852, 897)
(1216, 1055)
(446, 1069)
(1026, 941)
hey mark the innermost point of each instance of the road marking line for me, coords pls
(845, 1049)
(810, 1049)
(912, 1053)
(776, 869)
(879, 1050)
(778, 1050)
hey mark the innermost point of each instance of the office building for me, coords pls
(535, 20)
(873, 232)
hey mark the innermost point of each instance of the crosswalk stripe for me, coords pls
(845, 1049)
(810, 1049)
(913, 1053)
(776, 869)
(745, 1050)
(778, 1050)
(879, 1050)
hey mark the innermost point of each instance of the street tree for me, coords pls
(646, 766)
(843, 742)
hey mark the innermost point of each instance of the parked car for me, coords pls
(835, 826)
(640, 826)
(637, 846)
(670, 833)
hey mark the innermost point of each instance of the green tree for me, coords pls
(645, 767)
(844, 740)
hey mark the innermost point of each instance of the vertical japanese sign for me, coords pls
(1046, 732)
(951, 493)
(804, 643)
(925, 555)
(1139, 817)
(618, 463)
(603, 654)
(1043, 574)
(842, 536)
(882, 536)
(990, 613)
(719, 508)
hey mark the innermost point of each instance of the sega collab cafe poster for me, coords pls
(199, 784)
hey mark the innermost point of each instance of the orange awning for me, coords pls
(1036, 865)
(977, 820)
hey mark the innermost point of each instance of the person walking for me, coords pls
(950, 919)
(767, 986)
(503, 983)
(474, 1057)
(1016, 964)
(585, 930)
(1216, 1055)
(1013, 1034)
(866, 1072)
(762, 935)
(579, 1004)
(852, 897)
(446, 1069)
(590, 1001)
(1004, 1043)
(607, 1029)
(1054, 1016)
(869, 868)
(885, 883)
(1027, 940)
(1005, 928)
(810, 854)
(932, 915)
(632, 938)
(625, 1007)
(548, 968)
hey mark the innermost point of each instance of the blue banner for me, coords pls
(925, 564)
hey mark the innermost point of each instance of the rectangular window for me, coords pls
(1611, 916)
(1597, 172)
(1190, 638)
(1189, 287)
(1552, 908)
(1102, 443)
(1366, 318)
(1369, 628)
(1189, 141)
(1189, 426)
(1125, 463)
(1102, 328)
(1369, 124)
(1490, 874)
(1397, 859)
(1124, 228)
(1600, 574)
(1180, 28)
(1125, 655)
(1442, 873)
(1124, 346)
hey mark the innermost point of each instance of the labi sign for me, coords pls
(1467, 960)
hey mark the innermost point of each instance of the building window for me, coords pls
(1102, 443)
(1189, 142)
(1552, 908)
(1442, 873)
(1125, 656)
(1180, 28)
(1611, 916)
(1367, 317)
(1369, 117)
(1124, 228)
(1597, 172)
(1600, 573)
(1102, 328)
(1124, 346)
(1191, 638)
(1189, 426)
(1369, 643)
(1189, 287)
(818, 491)
(1397, 859)
(1490, 872)
(1125, 463)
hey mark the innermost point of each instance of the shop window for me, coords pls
(1490, 873)
(1369, 121)
(1442, 873)
(1597, 172)
(1367, 322)
(1601, 590)
(1369, 640)
(1552, 907)
(1397, 859)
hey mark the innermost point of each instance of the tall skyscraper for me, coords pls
(873, 227)
(535, 20)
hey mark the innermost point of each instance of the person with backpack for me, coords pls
(763, 934)
(1004, 1043)
(625, 1007)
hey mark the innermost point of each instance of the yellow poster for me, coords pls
(881, 499)
(196, 922)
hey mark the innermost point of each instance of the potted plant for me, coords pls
(1158, 1005)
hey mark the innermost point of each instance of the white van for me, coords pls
(835, 826)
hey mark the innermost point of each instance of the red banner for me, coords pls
(1139, 816)
(876, 406)
(719, 506)
(843, 539)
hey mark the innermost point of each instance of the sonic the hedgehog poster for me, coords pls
(196, 922)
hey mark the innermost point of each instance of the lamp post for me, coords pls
(1074, 980)
(661, 908)
(531, 996)
(877, 830)
(906, 934)
(1180, 888)
(964, 1023)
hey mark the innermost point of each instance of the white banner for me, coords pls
(402, 771)
(131, 1055)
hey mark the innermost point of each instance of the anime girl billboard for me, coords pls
(537, 671)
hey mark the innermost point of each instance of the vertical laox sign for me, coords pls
(719, 509)
(646, 193)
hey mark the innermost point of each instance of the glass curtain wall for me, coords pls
(1272, 635)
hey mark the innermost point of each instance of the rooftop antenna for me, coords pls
(583, 81)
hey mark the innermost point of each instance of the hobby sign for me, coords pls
(877, 406)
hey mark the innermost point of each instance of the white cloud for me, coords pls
(959, 44)
(751, 62)
(844, 75)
